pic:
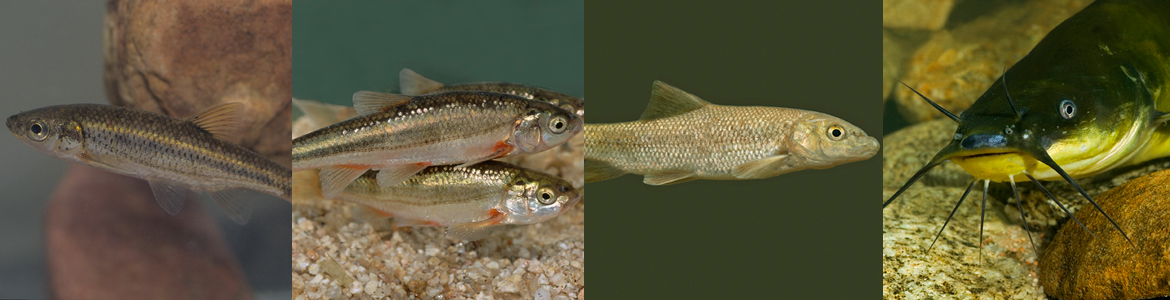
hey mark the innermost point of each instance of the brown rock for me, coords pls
(1079, 266)
(956, 66)
(916, 14)
(181, 57)
(108, 239)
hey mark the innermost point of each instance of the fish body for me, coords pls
(400, 135)
(681, 138)
(469, 200)
(176, 156)
(412, 83)
(1092, 96)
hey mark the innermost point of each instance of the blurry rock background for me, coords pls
(953, 65)
(103, 235)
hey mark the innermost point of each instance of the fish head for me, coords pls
(1064, 121)
(545, 126)
(536, 197)
(48, 130)
(825, 141)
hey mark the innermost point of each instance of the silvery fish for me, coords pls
(680, 138)
(412, 83)
(176, 156)
(469, 201)
(401, 135)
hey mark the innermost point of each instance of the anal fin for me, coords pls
(236, 203)
(393, 175)
(668, 177)
(413, 84)
(170, 195)
(761, 168)
(334, 179)
(596, 170)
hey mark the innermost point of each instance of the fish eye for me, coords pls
(1068, 109)
(558, 124)
(835, 132)
(38, 130)
(546, 196)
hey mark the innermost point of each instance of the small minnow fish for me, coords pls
(1089, 98)
(469, 201)
(175, 156)
(681, 138)
(401, 135)
(414, 84)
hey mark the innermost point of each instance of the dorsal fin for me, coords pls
(666, 101)
(368, 102)
(413, 84)
(223, 121)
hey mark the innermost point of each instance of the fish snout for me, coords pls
(981, 141)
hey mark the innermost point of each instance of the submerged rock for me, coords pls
(956, 66)
(1080, 266)
(916, 14)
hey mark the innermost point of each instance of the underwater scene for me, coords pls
(1062, 97)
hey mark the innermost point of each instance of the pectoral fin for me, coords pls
(668, 177)
(334, 179)
(170, 195)
(414, 84)
(761, 168)
(393, 175)
(596, 170)
(502, 149)
(236, 203)
(368, 102)
(475, 230)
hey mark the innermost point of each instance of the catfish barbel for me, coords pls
(681, 138)
(1089, 98)
(413, 84)
(175, 156)
(401, 135)
(469, 201)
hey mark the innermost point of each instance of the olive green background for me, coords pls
(343, 47)
(813, 234)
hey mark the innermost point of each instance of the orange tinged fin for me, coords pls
(476, 230)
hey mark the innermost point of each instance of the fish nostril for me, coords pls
(977, 141)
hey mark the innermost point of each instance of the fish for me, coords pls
(1090, 97)
(176, 156)
(468, 201)
(413, 84)
(681, 137)
(400, 135)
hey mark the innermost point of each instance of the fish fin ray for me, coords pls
(236, 203)
(475, 230)
(668, 177)
(666, 101)
(413, 84)
(1160, 118)
(368, 102)
(322, 114)
(223, 121)
(394, 175)
(761, 168)
(596, 170)
(334, 179)
(170, 195)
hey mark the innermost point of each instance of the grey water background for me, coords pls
(51, 54)
(812, 234)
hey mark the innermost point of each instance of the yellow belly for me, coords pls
(998, 167)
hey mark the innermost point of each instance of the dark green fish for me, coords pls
(1092, 96)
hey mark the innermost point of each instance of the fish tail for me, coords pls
(596, 170)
